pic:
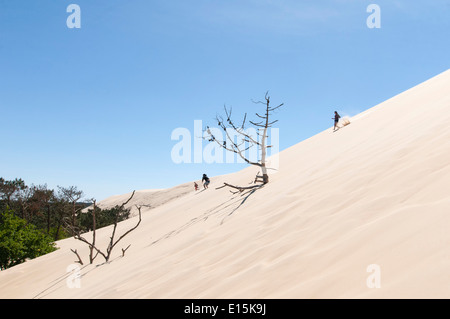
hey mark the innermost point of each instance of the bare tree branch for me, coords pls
(112, 243)
(241, 188)
(124, 250)
(126, 233)
(79, 258)
(240, 147)
(243, 122)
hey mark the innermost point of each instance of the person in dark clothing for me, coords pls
(205, 181)
(336, 119)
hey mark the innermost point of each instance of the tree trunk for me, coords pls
(263, 159)
(94, 226)
(48, 219)
(263, 148)
(57, 231)
(73, 213)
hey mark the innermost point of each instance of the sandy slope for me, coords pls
(150, 198)
(374, 192)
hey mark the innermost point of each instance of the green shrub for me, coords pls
(20, 241)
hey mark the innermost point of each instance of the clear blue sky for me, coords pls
(95, 107)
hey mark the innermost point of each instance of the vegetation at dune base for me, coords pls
(20, 241)
(33, 217)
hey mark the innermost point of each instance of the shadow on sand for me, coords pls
(222, 211)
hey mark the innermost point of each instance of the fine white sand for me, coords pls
(375, 192)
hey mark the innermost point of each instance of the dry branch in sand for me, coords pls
(245, 139)
(93, 249)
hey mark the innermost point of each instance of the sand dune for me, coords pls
(150, 198)
(373, 193)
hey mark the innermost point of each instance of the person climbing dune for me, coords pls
(206, 181)
(336, 119)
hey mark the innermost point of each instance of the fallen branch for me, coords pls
(242, 188)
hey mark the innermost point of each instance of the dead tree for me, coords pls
(112, 243)
(76, 231)
(71, 195)
(94, 227)
(245, 139)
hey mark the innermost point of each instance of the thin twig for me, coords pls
(79, 258)
(124, 250)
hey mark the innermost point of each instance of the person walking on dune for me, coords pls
(336, 119)
(205, 181)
